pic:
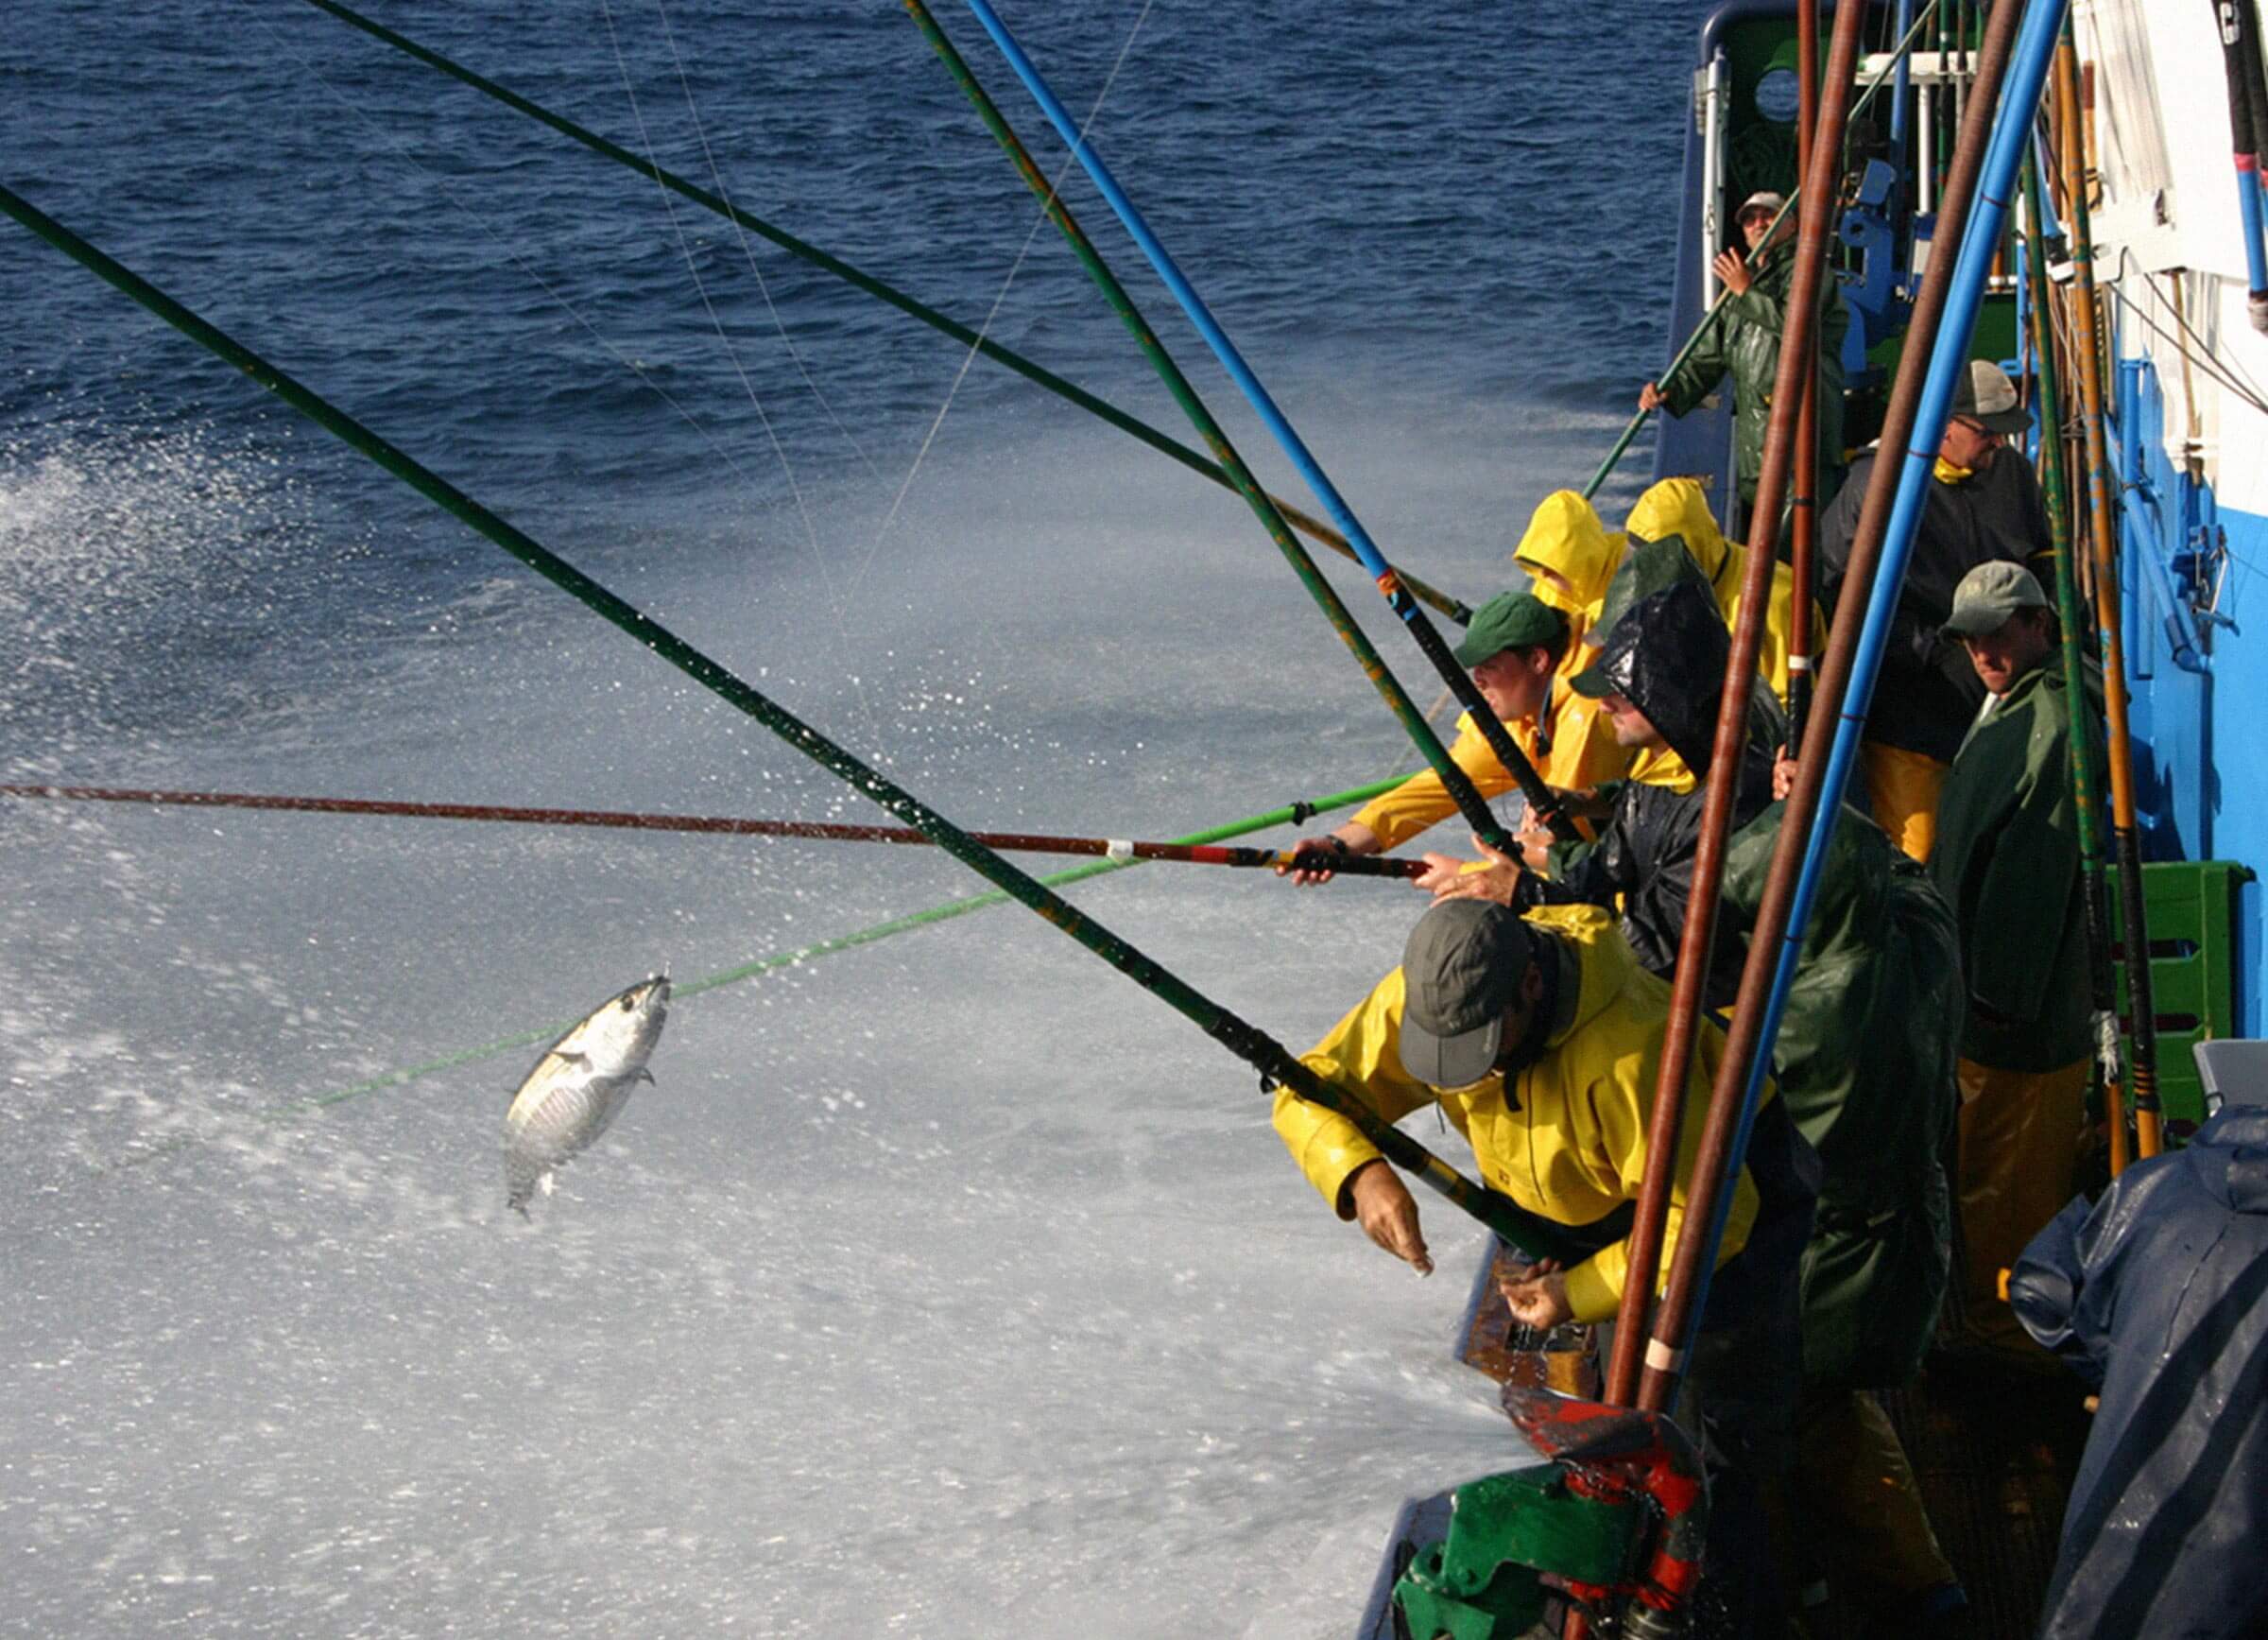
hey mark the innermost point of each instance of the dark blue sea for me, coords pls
(944, 1284)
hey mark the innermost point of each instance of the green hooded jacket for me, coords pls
(1742, 336)
(2007, 861)
(1865, 1064)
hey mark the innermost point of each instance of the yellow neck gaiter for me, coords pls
(1946, 473)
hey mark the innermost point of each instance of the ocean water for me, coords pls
(946, 1285)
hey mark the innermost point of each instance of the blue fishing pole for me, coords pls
(1541, 800)
(2027, 74)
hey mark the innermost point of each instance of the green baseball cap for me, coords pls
(1513, 620)
(1463, 963)
(1989, 595)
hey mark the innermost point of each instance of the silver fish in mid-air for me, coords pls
(578, 1087)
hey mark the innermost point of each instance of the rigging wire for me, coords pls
(748, 248)
(836, 602)
(1038, 221)
(565, 303)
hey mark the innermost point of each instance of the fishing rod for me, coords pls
(1546, 805)
(1276, 1064)
(1295, 813)
(1455, 609)
(1933, 356)
(1755, 258)
(2071, 615)
(821, 831)
(1803, 513)
(1486, 824)
(2110, 618)
(1696, 937)
(2239, 52)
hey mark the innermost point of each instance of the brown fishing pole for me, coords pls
(1666, 1350)
(1691, 980)
(1804, 508)
(1008, 842)
(2125, 846)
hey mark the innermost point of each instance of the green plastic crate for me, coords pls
(2190, 907)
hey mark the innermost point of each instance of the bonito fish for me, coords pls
(578, 1087)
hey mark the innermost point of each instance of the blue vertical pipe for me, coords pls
(1191, 302)
(1996, 184)
(1902, 89)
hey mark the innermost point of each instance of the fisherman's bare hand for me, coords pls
(1449, 878)
(1538, 1299)
(1783, 775)
(1317, 859)
(1649, 396)
(1534, 846)
(1388, 1217)
(1732, 269)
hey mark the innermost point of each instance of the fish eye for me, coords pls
(629, 1005)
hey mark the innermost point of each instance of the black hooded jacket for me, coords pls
(1667, 657)
(1928, 691)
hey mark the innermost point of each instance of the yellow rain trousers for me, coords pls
(2019, 1145)
(1678, 507)
(1902, 789)
(1568, 1139)
(1861, 1507)
(1583, 752)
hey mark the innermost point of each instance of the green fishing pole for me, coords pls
(1542, 801)
(1525, 1229)
(1455, 609)
(2056, 489)
(1753, 259)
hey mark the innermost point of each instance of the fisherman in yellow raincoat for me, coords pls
(1513, 649)
(1537, 1038)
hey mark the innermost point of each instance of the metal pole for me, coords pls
(1936, 350)
(1665, 1122)
(2109, 619)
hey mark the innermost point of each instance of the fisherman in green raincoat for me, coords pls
(1866, 1057)
(2007, 860)
(1742, 336)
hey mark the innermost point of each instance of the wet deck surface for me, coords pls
(1994, 1450)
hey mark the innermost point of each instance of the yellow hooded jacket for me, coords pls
(1566, 540)
(1678, 507)
(1584, 751)
(1571, 1141)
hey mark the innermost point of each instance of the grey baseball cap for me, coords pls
(1464, 962)
(1983, 393)
(1991, 592)
(1763, 200)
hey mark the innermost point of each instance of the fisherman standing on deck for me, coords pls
(1983, 506)
(1679, 506)
(1537, 1038)
(1514, 649)
(2007, 862)
(1741, 335)
(1658, 678)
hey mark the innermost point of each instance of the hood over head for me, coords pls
(1680, 507)
(1667, 656)
(1566, 537)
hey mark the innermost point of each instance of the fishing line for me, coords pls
(835, 601)
(1054, 188)
(749, 250)
(505, 246)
